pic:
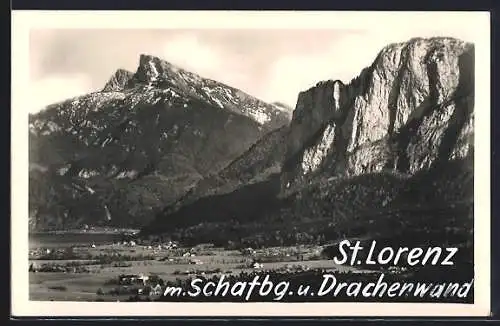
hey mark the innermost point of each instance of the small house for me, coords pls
(143, 278)
(156, 290)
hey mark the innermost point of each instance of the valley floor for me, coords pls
(92, 272)
(80, 279)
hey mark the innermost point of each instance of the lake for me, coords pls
(52, 240)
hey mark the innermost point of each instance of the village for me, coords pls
(121, 269)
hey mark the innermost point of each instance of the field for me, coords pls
(82, 278)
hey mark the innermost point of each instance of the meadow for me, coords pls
(79, 272)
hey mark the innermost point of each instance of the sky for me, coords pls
(270, 64)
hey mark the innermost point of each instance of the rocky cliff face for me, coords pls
(411, 109)
(119, 155)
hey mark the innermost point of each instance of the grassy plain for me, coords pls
(169, 265)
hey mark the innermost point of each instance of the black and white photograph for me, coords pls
(334, 158)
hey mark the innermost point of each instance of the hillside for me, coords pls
(119, 155)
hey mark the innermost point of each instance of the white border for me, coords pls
(477, 23)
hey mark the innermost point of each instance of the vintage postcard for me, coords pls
(250, 163)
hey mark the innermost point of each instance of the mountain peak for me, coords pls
(118, 81)
(148, 59)
(147, 56)
(121, 71)
(154, 70)
(148, 70)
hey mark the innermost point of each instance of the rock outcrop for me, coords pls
(118, 156)
(118, 81)
(411, 109)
